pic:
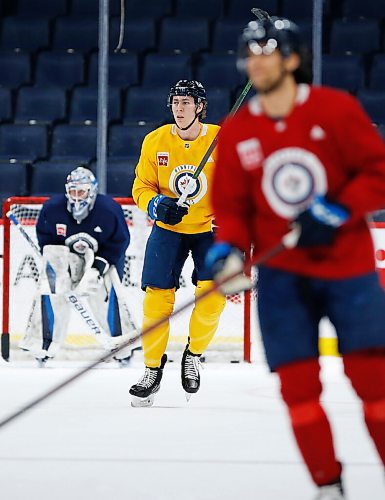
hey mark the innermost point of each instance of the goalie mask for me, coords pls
(81, 191)
(191, 88)
(263, 37)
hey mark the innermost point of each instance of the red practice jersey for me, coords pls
(269, 170)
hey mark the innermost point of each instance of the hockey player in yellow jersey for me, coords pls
(169, 157)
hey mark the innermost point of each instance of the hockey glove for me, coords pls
(165, 209)
(224, 261)
(319, 222)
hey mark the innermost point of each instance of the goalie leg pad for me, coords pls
(158, 304)
(55, 277)
(205, 317)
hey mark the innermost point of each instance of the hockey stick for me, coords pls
(288, 241)
(190, 186)
(81, 307)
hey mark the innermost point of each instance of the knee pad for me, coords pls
(301, 389)
(366, 371)
(213, 304)
(158, 303)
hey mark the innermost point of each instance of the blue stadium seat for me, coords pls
(59, 69)
(377, 72)
(49, 177)
(88, 8)
(120, 177)
(84, 104)
(139, 34)
(373, 102)
(165, 70)
(5, 104)
(23, 142)
(218, 105)
(344, 72)
(13, 180)
(358, 8)
(381, 130)
(122, 70)
(241, 9)
(146, 104)
(150, 8)
(219, 70)
(300, 9)
(24, 33)
(361, 36)
(125, 141)
(75, 33)
(15, 69)
(41, 8)
(226, 34)
(40, 105)
(208, 10)
(74, 142)
(184, 35)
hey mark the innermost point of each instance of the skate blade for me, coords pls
(142, 402)
(188, 396)
(41, 363)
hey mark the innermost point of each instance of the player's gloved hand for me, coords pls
(224, 261)
(165, 209)
(90, 282)
(319, 222)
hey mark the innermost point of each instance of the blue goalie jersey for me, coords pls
(105, 223)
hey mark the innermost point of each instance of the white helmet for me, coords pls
(81, 191)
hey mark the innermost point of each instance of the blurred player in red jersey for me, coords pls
(297, 153)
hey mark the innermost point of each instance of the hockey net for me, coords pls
(21, 269)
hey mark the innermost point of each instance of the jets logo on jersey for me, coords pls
(181, 178)
(291, 178)
(61, 229)
(162, 159)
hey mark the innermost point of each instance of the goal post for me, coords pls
(21, 271)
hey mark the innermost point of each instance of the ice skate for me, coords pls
(190, 373)
(123, 356)
(330, 492)
(143, 393)
(42, 357)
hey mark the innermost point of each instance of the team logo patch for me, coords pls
(61, 229)
(181, 178)
(162, 159)
(291, 178)
(250, 153)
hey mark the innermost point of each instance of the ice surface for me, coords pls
(230, 442)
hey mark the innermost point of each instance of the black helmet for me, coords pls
(266, 35)
(191, 88)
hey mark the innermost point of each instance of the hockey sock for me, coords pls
(301, 389)
(157, 304)
(205, 317)
(366, 371)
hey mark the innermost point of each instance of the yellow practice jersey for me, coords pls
(166, 162)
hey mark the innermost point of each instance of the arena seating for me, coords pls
(49, 75)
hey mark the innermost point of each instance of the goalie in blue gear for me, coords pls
(83, 237)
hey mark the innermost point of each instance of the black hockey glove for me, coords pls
(165, 209)
(320, 222)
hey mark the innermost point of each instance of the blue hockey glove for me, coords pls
(165, 209)
(224, 261)
(320, 222)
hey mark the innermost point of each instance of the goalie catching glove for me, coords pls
(224, 260)
(166, 210)
(319, 222)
